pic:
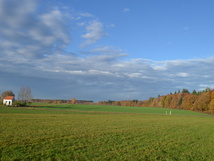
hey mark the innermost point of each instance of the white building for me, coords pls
(8, 100)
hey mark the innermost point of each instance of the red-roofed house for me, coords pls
(8, 100)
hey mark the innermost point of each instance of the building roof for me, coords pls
(9, 98)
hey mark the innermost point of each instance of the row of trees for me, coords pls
(202, 101)
(59, 101)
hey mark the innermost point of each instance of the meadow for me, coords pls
(113, 109)
(89, 132)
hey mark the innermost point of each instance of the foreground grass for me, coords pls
(28, 134)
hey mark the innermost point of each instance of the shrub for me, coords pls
(19, 104)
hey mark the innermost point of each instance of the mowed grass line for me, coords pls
(117, 109)
(74, 136)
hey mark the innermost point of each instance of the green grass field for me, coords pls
(75, 132)
(115, 109)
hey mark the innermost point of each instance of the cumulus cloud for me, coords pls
(94, 33)
(26, 33)
(98, 78)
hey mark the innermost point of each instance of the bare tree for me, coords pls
(21, 93)
(28, 95)
(25, 94)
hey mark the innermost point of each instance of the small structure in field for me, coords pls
(8, 100)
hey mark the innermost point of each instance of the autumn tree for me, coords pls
(134, 102)
(211, 107)
(117, 103)
(161, 100)
(167, 101)
(7, 93)
(212, 95)
(73, 100)
(140, 104)
(188, 101)
(175, 101)
(201, 104)
(154, 102)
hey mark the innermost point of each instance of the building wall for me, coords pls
(8, 102)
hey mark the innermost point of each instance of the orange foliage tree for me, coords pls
(201, 104)
(188, 101)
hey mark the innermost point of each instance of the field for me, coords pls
(89, 132)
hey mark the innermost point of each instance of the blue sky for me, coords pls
(101, 50)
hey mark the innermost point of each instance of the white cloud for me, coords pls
(108, 50)
(27, 33)
(94, 32)
(183, 74)
(109, 78)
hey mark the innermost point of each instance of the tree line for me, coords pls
(62, 101)
(202, 101)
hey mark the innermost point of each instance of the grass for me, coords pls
(44, 134)
(116, 109)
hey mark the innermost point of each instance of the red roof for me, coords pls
(9, 98)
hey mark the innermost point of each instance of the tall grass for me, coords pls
(54, 135)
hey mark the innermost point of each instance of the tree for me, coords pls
(185, 91)
(175, 101)
(7, 93)
(73, 100)
(188, 101)
(167, 101)
(207, 89)
(134, 102)
(21, 93)
(25, 94)
(194, 92)
(180, 102)
(201, 104)
(211, 107)
(212, 95)
(28, 95)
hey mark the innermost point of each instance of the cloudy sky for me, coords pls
(106, 49)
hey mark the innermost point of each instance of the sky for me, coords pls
(105, 49)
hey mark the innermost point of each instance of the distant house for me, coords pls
(8, 100)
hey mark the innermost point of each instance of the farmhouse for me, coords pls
(8, 100)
